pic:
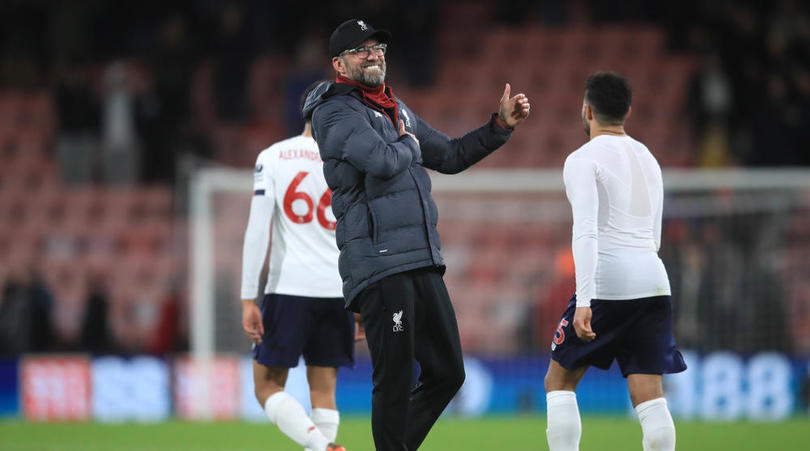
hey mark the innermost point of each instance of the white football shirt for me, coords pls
(290, 191)
(616, 193)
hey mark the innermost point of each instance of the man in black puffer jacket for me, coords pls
(375, 151)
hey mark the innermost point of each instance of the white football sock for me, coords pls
(656, 425)
(327, 421)
(291, 418)
(564, 426)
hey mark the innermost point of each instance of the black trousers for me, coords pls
(408, 317)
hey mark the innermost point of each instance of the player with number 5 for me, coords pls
(302, 312)
(622, 309)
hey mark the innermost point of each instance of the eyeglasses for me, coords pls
(365, 51)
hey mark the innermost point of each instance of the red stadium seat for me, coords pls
(459, 46)
(456, 76)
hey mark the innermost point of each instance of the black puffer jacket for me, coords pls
(386, 217)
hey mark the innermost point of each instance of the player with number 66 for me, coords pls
(302, 310)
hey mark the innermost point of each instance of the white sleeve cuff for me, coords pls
(584, 302)
(250, 292)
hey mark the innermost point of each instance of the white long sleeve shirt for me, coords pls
(290, 190)
(616, 193)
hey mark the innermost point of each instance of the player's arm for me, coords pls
(579, 175)
(657, 217)
(450, 156)
(254, 251)
(453, 155)
(346, 129)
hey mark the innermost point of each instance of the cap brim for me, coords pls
(380, 35)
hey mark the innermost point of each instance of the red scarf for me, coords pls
(378, 98)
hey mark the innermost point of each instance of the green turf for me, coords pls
(498, 434)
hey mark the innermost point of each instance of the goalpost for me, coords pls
(504, 232)
(202, 329)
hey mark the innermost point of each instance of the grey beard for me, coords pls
(372, 81)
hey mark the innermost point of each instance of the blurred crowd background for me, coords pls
(107, 107)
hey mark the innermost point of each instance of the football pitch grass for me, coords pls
(491, 433)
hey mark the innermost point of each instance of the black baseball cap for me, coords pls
(352, 33)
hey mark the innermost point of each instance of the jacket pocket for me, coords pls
(374, 225)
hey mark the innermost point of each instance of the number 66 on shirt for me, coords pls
(292, 194)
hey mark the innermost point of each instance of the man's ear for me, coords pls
(339, 65)
(588, 112)
(629, 111)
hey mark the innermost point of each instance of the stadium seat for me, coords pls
(257, 137)
(36, 113)
(159, 201)
(621, 42)
(10, 102)
(458, 75)
(505, 47)
(459, 46)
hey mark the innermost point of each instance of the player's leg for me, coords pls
(284, 318)
(648, 352)
(570, 359)
(322, 383)
(438, 350)
(563, 424)
(559, 378)
(268, 381)
(283, 409)
(387, 310)
(644, 387)
(647, 395)
(330, 345)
